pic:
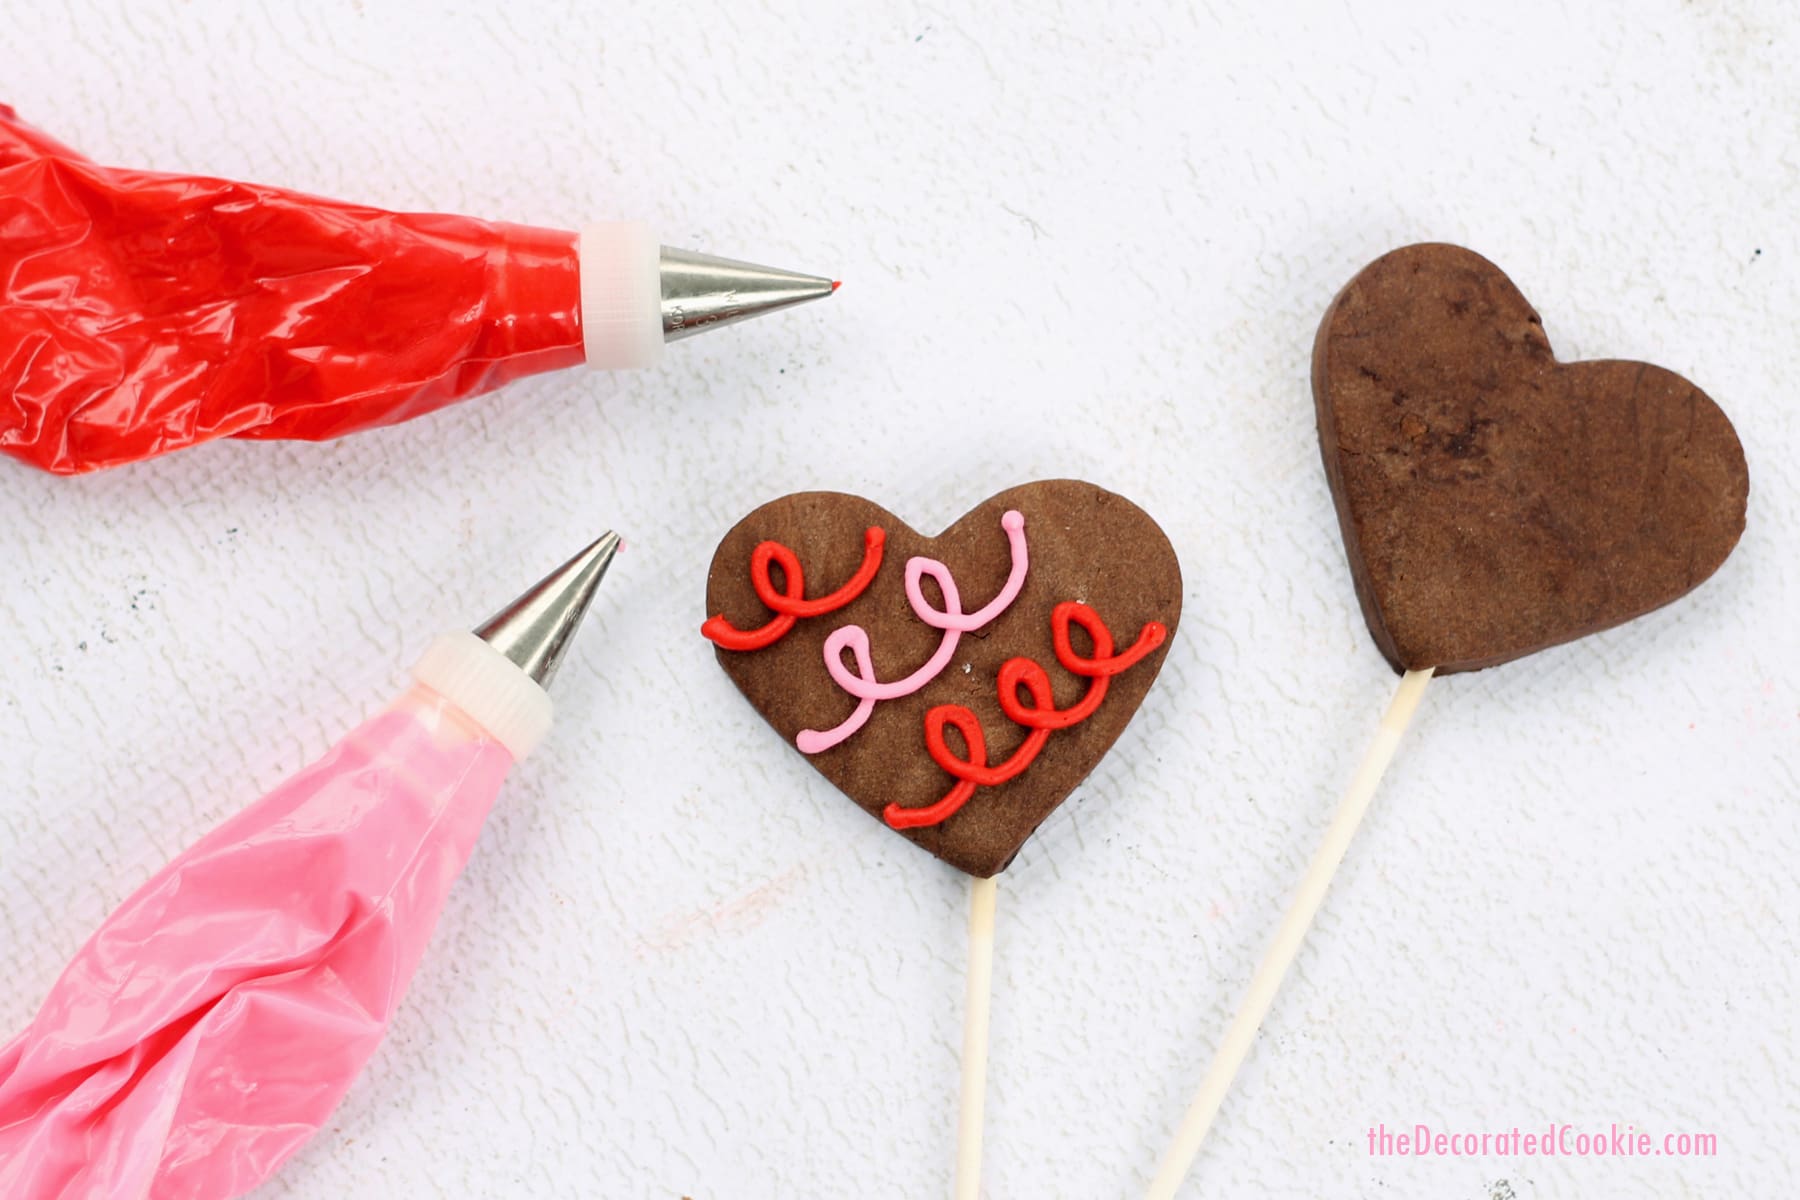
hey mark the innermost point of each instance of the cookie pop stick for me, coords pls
(975, 1037)
(1289, 938)
(1494, 502)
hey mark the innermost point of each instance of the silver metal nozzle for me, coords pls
(702, 292)
(534, 630)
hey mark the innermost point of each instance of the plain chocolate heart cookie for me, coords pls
(1493, 500)
(956, 687)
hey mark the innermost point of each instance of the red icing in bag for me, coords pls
(143, 312)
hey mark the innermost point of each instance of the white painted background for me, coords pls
(680, 963)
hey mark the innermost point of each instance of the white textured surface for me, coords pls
(1074, 242)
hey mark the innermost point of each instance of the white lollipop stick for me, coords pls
(975, 1039)
(1288, 939)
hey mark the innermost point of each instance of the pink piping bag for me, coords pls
(214, 1021)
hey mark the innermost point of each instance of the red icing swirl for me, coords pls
(1040, 716)
(790, 604)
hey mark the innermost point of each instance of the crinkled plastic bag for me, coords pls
(214, 1021)
(143, 312)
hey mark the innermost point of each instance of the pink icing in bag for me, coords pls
(213, 1022)
(273, 951)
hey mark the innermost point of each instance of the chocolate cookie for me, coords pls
(1493, 500)
(979, 675)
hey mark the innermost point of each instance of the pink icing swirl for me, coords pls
(863, 685)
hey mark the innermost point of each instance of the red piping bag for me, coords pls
(142, 312)
(214, 1021)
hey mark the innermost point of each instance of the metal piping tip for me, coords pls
(702, 292)
(534, 630)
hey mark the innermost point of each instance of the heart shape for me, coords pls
(1057, 593)
(1493, 500)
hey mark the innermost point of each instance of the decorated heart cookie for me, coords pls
(1493, 500)
(957, 687)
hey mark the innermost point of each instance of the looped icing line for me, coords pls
(789, 605)
(951, 619)
(1040, 716)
